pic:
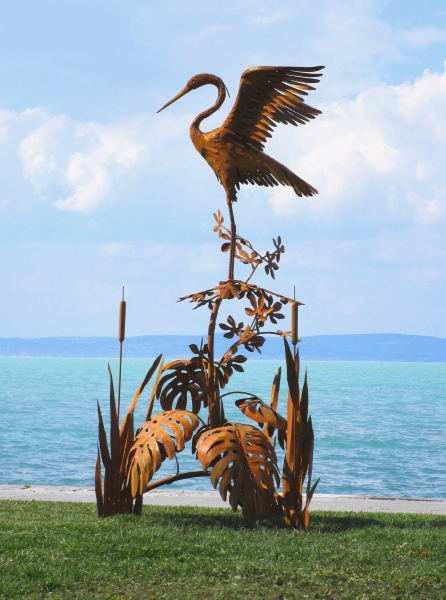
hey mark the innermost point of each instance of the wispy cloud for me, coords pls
(269, 19)
(201, 258)
(367, 253)
(385, 147)
(79, 166)
(419, 37)
(82, 159)
(210, 31)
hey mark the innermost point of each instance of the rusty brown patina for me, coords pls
(239, 458)
(266, 96)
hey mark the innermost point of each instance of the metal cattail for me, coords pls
(121, 327)
(121, 338)
(294, 323)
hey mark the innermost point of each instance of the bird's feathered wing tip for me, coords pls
(268, 96)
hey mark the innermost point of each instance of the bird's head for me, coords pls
(194, 83)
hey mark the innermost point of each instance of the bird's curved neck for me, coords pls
(213, 80)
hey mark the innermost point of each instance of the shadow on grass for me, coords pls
(213, 518)
(321, 522)
(182, 517)
(330, 522)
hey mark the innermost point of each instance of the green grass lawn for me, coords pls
(62, 550)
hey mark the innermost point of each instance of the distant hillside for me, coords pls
(375, 347)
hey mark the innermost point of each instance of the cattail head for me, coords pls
(121, 326)
(294, 323)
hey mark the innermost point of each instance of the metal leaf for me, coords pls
(183, 379)
(259, 411)
(245, 463)
(299, 448)
(155, 387)
(267, 429)
(161, 437)
(98, 487)
(111, 495)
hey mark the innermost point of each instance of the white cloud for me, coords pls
(423, 36)
(268, 19)
(421, 275)
(27, 284)
(77, 166)
(81, 159)
(71, 164)
(132, 250)
(202, 258)
(385, 147)
(210, 31)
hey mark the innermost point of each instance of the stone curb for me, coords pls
(174, 497)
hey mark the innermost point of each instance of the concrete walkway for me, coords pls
(212, 499)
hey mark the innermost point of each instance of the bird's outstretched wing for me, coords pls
(267, 96)
(267, 172)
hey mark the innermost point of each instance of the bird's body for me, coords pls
(267, 96)
(234, 163)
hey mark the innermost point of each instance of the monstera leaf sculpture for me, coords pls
(161, 437)
(245, 463)
(259, 411)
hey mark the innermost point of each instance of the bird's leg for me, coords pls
(233, 234)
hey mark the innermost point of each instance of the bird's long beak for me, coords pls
(175, 98)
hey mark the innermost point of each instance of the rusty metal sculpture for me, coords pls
(239, 458)
(234, 151)
(113, 495)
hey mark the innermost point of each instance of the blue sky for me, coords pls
(98, 191)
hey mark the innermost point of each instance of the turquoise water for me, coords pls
(380, 428)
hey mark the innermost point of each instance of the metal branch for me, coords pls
(233, 236)
(173, 478)
(238, 392)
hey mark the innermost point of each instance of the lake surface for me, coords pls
(380, 428)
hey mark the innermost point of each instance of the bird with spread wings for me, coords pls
(267, 96)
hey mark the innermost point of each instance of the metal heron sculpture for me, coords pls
(266, 96)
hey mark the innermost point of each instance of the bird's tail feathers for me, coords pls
(265, 171)
(285, 176)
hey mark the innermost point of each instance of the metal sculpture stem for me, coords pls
(233, 236)
(178, 477)
(211, 367)
(119, 381)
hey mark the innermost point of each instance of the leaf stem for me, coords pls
(173, 478)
